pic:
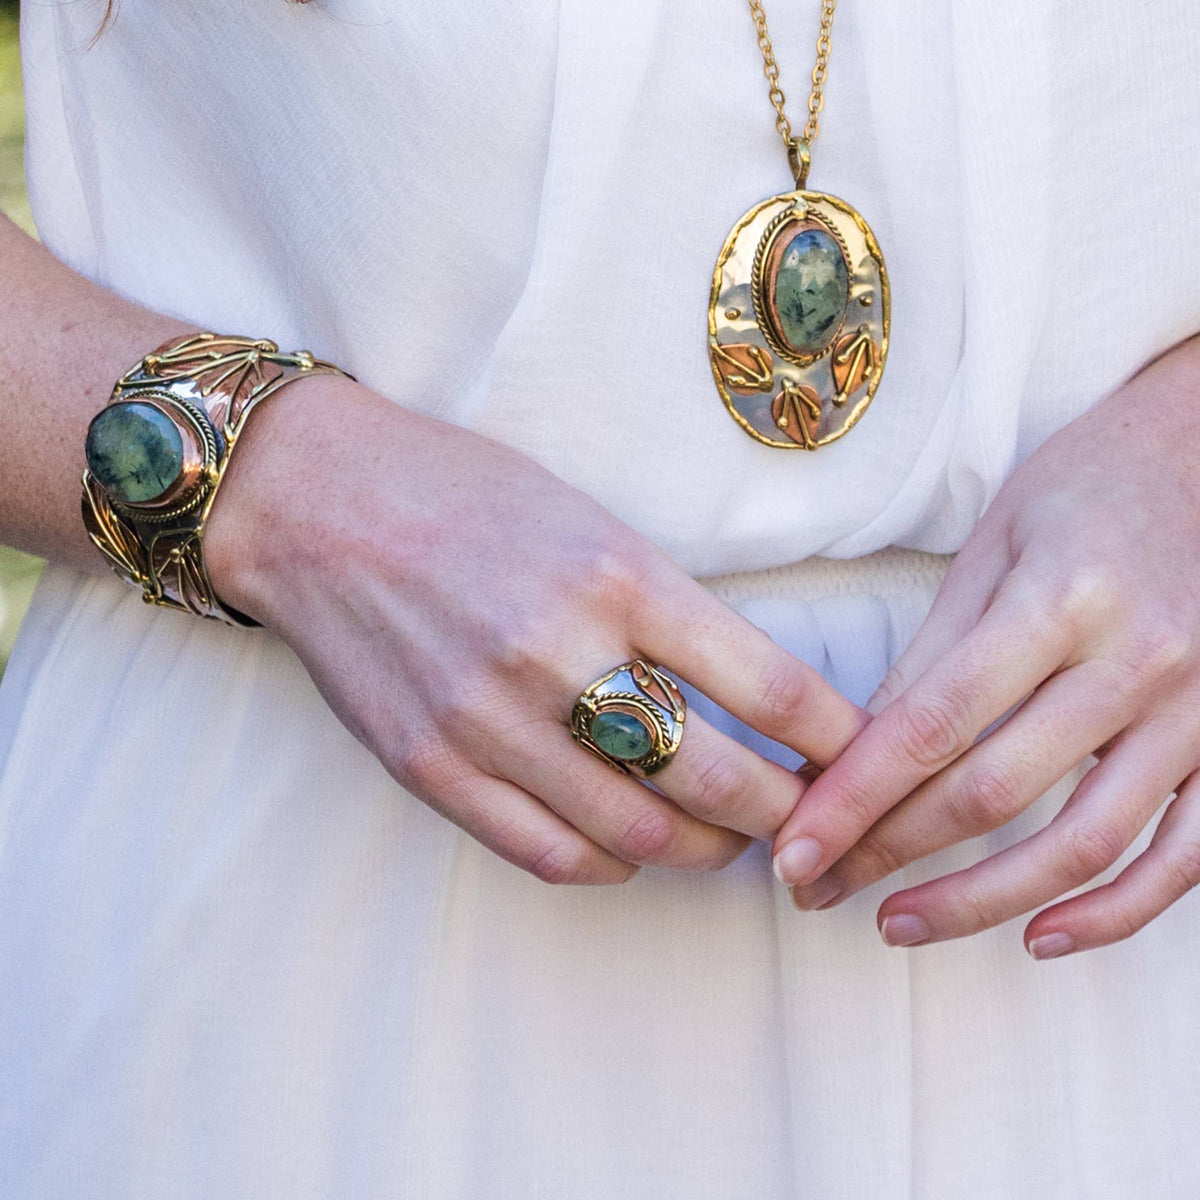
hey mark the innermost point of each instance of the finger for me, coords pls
(1060, 725)
(963, 597)
(725, 783)
(740, 668)
(616, 811)
(512, 824)
(1099, 822)
(1163, 873)
(1001, 661)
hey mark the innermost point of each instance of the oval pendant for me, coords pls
(798, 320)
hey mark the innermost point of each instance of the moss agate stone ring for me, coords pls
(632, 718)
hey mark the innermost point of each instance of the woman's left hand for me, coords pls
(1075, 600)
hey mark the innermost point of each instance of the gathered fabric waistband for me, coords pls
(891, 571)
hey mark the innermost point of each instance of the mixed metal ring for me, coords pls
(632, 718)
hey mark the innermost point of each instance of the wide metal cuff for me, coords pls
(157, 453)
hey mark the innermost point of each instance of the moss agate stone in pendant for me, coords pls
(809, 291)
(621, 734)
(798, 320)
(134, 450)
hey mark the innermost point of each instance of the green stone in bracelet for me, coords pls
(621, 735)
(134, 450)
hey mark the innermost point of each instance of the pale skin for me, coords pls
(450, 599)
(1076, 597)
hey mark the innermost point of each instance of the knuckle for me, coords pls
(930, 732)
(558, 862)
(1121, 923)
(463, 703)
(1090, 847)
(518, 647)
(1029, 592)
(718, 786)
(783, 693)
(990, 798)
(426, 766)
(854, 812)
(1081, 597)
(1159, 648)
(648, 838)
(877, 855)
(1183, 868)
(615, 573)
(980, 908)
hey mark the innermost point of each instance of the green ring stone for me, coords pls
(134, 450)
(621, 735)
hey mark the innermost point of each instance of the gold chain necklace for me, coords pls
(800, 309)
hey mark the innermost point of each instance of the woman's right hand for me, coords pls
(451, 598)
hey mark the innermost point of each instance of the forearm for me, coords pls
(63, 342)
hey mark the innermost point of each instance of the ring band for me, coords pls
(632, 718)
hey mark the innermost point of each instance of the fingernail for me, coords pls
(797, 861)
(818, 893)
(1052, 945)
(904, 929)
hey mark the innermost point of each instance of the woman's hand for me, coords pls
(451, 599)
(1077, 599)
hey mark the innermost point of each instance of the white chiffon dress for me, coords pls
(236, 959)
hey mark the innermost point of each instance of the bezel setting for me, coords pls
(201, 454)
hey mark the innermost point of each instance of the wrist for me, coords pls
(263, 526)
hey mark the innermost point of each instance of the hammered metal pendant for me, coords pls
(798, 320)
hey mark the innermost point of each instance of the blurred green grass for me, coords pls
(13, 200)
(18, 572)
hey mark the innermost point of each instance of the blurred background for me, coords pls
(18, 572)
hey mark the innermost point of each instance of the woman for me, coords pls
(241, 956)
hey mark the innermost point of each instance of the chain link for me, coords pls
(816, 99)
